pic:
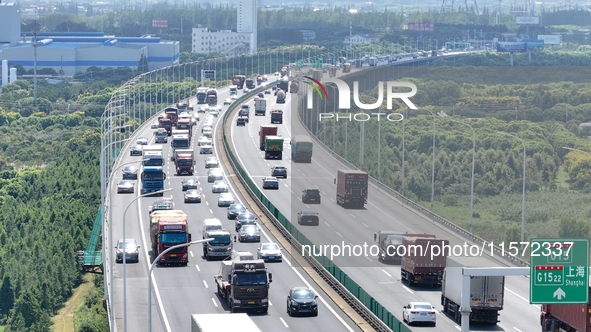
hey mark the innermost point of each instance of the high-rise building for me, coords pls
(244, 40)
(247, 21)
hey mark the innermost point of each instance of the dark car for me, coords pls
(261, 95)
(301, 301)
(279, 171)
(250, 233)
(308, 217)
(267, 92)
(135, 150)
(129, 172)
(311, 196)
(241, 121)
(189, 184)
(270, 183)
(246, 218)
(131, 250)
(234, 210)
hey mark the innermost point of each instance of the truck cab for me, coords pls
(244, 284)
(221, 246)
(153, 180)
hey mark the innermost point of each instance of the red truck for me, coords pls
(265, 131)
(424, 260)
(352, 187)
(165, 123)
(169, 228)
(184, 162)
(566, 317)
(212, 97)
(173, 114)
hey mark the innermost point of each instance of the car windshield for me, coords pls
(246, 217)
(125, 183)
(237, 207)
(173, 237)
(220, 239)
(219, 183)
(249, 229)
(192, 192)
(303, 294)
(246, 279)
(129, 169)
(270, 247)
(127, 245)
(225, 196)
(422, 306)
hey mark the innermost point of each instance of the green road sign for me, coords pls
(299, 63)
(559, 271)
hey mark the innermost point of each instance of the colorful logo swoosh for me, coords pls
(317, 88)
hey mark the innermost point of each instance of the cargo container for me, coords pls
(422, 264)
(352, 186)
(223, 323)
(301, 149)
(566, 317)
(486, 293)
(273, 147)
(265, 131)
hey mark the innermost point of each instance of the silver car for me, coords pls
(225, 199)
(270, 252)
(130, 249)
(220, 186)
(212, 162)
(214, 174)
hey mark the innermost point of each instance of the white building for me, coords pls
(10, 23)
(308, 35)
(360, 39)
(226, 41)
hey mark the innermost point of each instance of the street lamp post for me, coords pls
(573, 149)
(124, 258)
(472, 181)
(523, 189)
(150, 275)
(433, 161)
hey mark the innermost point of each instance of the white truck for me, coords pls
(223, 323)
(486, 293)
(153, 156)
(260, 107)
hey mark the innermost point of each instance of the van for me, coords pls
(211, 225)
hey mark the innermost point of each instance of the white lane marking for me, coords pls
(211, 211)
(519, 296)
(282, 321)
(364, 224)
(369, 259)
(339, 234)
(214, 302)
(516, 329)
(270, 304)
(197, 267)
(408, 289)
(388, 274)
(459, 328)
(323, 301)
(351, 215)
(327, 224)
(191, 253)
(205, 283)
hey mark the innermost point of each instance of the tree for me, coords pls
(574, 228)
(7, 295)
(513, 233)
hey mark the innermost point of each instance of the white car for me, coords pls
(142, 140)
(206, 148)
(416, 312)
(225, 199)
(154, 125)
(202, 140)
(227, 101)
(220, 186)
(207, 131)
(233, 97)
(270, 252)
(214, 112)
(212, 162)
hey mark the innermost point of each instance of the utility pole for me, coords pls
(35, 63)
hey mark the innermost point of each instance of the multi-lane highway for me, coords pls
(179, 292)
(343, 227)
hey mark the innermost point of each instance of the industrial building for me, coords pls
(244, 40)
(71, 52)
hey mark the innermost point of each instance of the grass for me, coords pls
(64, 320)
(562, 178)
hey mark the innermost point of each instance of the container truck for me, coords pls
(223, 323)
(212, 97)
(260, 107)
(352, 187)
(486, 293)
(153, 180)
(566, 317)
(233, 90)
(263, 132)
(165, 123)
(201, 95)
(301, 149)
(283, 85)
(389, 241)
(273, 147)
(169, 228)
(244, 284)
(180, 140)
(184, 161)
(373, 61)
(280, 97)
(153, 156)
(276, 116)
(184, 123)
(423, 261)
(164, 203)
(284, 71)
(173, 114)
(250, 83)
(238, 81)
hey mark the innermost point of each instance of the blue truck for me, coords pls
(153, 180)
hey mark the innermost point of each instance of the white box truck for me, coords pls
(260, 106)
(223, 323)
(486, 293)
